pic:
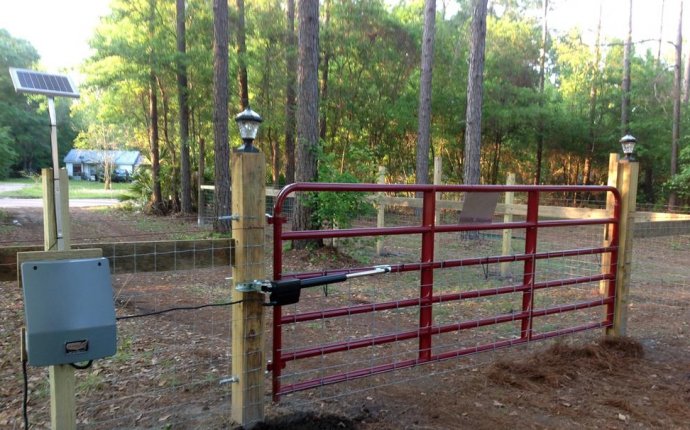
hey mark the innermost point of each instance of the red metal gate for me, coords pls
(527, 286)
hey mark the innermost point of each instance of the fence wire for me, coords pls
(172, 370)
(393, 334)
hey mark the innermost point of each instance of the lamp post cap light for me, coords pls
(248, 115)
(628, 144)
(248, 122)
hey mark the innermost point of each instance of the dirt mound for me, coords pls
(563, 362)
(318, 259)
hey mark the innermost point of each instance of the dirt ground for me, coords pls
(579, 382)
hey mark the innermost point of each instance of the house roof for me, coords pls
(91, 156)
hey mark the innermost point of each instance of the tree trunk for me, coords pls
(202, 161)
(202, 168)
(593, 92)
(686, 81)
(625, 100)
(307, 111)
(324, 72)
(424, 116)
(185, 169)
(676, 106)
(174, 180)
(475, 85)
(542, 73)
(649, 183)
(220, 116)
(157, 200)
(242, 56)
(290, 96)
(661, 33)
(273, 144)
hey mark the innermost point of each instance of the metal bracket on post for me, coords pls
(233, 217)
(229, 380)
(254, 286)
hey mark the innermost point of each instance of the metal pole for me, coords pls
(427, 276)
(530, 264)
(56, 174)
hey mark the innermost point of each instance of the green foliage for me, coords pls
(8, 155)
(24, 137)
(140, 189)
(336, 209)
(680, 183)
(370, 54)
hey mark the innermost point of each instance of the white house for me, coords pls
(86, 163)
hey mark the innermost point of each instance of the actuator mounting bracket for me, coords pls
(287, 291)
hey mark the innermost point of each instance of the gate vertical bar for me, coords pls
(249, 204)
(277, 362)
(530, 264)
(613, 240)
(427, 276)
(438, 180)
(628, 172)
(507, 243)
(381, 213)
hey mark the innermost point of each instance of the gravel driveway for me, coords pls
(4, 187)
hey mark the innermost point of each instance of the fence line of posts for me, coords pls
(248, 223)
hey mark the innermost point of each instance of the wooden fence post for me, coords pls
(610, 202)
(249, 205)
(627, 186)
(438, 180)
(63, 407)
(381, 216)
(507, 247)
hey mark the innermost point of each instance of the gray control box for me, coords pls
(69, 311)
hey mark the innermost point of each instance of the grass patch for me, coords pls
(77, 190)
(90, 382)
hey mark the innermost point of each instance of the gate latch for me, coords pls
(287, 291)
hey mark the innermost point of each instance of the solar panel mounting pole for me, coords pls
(51, 86)
(56, 174)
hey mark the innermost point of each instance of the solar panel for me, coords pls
(29, 81)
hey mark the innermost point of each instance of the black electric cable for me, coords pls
(25, 403)
(82, 367)
(87, 365)
(181, 308)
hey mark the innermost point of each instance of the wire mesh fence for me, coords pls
(170, 368)
(173, 369)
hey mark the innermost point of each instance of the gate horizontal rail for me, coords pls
(427, 265)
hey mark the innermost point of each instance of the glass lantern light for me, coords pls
(628, 144)
(248, 122)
